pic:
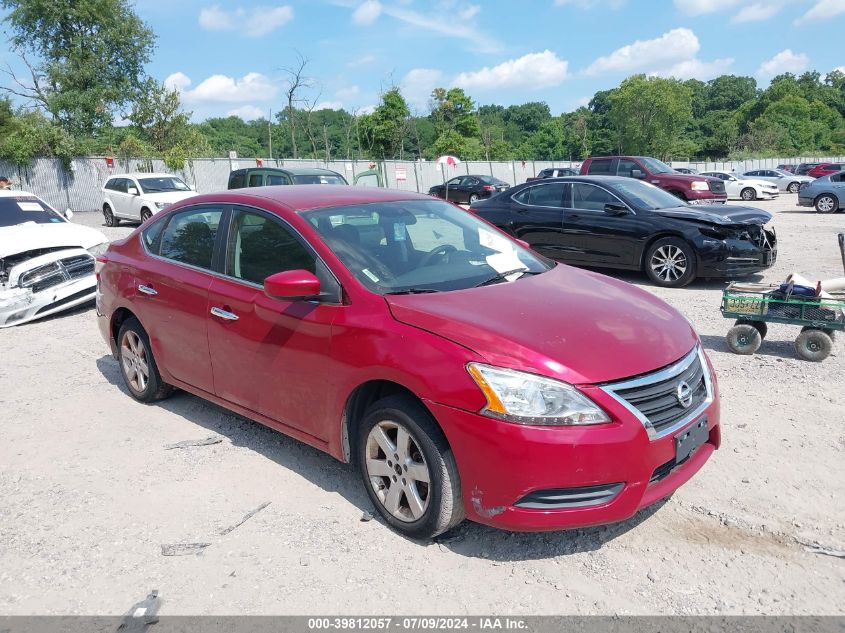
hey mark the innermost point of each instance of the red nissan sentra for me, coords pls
(464, 374)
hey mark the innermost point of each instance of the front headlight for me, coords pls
(99, 249)
(162, 205)
(525, 398)
(700, 185)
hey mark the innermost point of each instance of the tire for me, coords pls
(761, 326)
(830, 333)
(827, 203)
(146, 214)
(109, 216)
(793, 187)
(748, 194)
(813, 345)
(439, 506)
(744, 339)
(675, 251)
(134, 354)
(473, 197)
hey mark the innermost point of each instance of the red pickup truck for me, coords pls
(693, 189)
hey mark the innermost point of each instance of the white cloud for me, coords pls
(223, 89)
(329, 105)
(784, 62)
(535, 70)
(349, 92)
(672, 47)
(248, 113)
(366, 110)
(757, 12)
(470, 12)
(589, 4)
(700, 7)
(255, 22)
(696, 69)
(822, 10)
(367, 13)
(361, 61)
(417, 84)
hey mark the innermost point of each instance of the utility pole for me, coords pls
(270, 132)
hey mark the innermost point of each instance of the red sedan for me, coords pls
(465, 375)
(826, 169)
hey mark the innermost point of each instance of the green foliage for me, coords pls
(384, 129)
(157, 117)
(26, 135)
(89, 57)
(454, 111)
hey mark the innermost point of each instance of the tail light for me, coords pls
(489, 187)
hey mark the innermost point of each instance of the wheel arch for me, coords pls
(659, 236)
(118, 318)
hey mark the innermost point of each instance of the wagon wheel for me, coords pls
(761, 326)
(813, 344)
(744, 339)
(830, 333)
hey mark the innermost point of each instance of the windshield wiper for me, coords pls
(503, 276)
(412, 291)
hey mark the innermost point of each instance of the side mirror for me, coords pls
(68, 214)
(132, 191)
(291, 285)
(636, 173)
(615, 209)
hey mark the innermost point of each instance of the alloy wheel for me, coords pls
(793, 187)
(825, 204)
(398, 471)
(669, 263)
(133, 356)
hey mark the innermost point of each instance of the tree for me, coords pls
(453, 110)
(650, 113)
(89, 57)
(296, 82)
(528, 116)
(384, 129)
(157, 116)
(729, 92)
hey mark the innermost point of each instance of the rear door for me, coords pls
(121, 198)
(594, 236)
(537, 217)
(255, 179)
(171, 292)
(269, 355)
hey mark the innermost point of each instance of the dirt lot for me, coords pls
(88, 495)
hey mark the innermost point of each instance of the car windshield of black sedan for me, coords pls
(657, 167)
(421, 246)
(645, 196)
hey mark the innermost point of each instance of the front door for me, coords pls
(537, 218)
(269, 355)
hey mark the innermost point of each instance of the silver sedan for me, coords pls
(783, 179)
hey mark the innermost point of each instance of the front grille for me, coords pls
(716, 186)
(660, 400)
(561, 498)
(57, 273)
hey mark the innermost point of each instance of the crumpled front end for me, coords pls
(734, 251)
(35, 284)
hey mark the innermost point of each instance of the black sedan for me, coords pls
(613, 222)
(468, 189)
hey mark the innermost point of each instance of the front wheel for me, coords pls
(827, 203)
(748, 194)
(744, 339)
(108, 216)
(670, 262)
(146, 214)
(793, 187)
(408, 468)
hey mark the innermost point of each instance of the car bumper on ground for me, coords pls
(531, 478)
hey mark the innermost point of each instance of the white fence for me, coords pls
(79, 189)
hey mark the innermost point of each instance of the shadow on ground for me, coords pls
(468, 539)
(774, 348)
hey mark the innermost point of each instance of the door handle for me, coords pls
(224, 314)
(147, 290)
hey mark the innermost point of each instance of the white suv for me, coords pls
(139, 196)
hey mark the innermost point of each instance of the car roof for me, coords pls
(293, 171)
(595, 179)
(140, 174)
(307, 197)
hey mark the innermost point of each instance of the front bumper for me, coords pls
(805, 202)
(25, 307)
(501, 463)
(733, 257)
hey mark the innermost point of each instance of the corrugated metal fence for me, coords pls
(79, 189)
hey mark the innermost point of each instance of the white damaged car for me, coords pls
(46, 262)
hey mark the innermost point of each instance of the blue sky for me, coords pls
(227, 56)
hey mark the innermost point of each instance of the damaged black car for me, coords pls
(615, 222)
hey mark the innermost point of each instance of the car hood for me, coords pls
(30, 236)
(169, 196)
(570, 324)
(724, 215)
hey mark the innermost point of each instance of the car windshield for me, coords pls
(319, 179)
(645, 196)
(161, 184)
(20, 209)
(421, 246)
(657, 166)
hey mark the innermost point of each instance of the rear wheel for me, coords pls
(748, 194)
(813, 345)
(146, 214)
(670, 262)
(744, 339)
(408, 468)
(827, 203)
(793, 187)
(109, 216)
(137, 365)
(473, 198)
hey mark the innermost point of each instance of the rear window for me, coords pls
(600, 167)
(319, 179)
(236, 181)
(21, 209)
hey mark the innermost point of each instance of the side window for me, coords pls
(151, 233)
(189, 236)
(471, 182)
(455, 182)
(591, 198)
(260, 246)
(276, 179)
(550, 195)
(522, 196)
(256, 180)
(600, 166)
(236, 180)
(120, 185)
(626, 168)
(752, 173)
(546, 173)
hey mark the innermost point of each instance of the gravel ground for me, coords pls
(90, 494)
